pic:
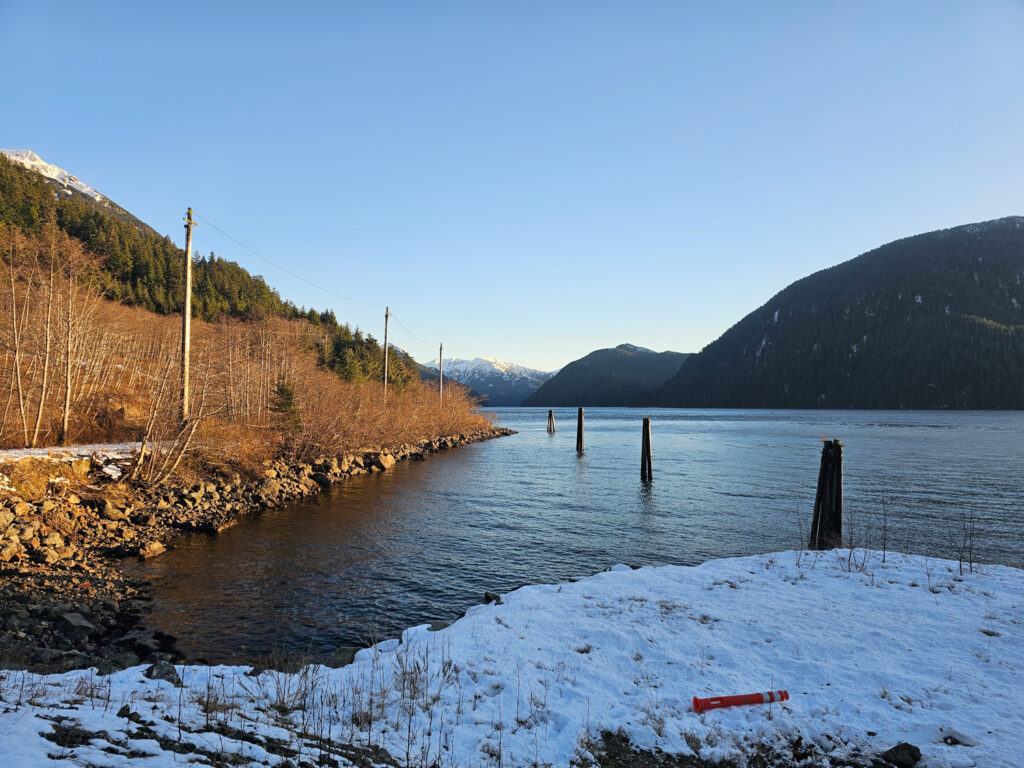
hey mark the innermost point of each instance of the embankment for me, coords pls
(64, 601)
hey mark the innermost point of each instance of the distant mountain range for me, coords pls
(930, 321)
(497, 382)
(623, 376)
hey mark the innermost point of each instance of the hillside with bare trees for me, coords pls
(77, 365)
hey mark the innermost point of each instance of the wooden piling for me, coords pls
(827, 524)
(551, 422)
(646, 473)
(579, 431)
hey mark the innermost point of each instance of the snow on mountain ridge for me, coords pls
(486, 366)
(34, 162)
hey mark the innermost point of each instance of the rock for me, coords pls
(6, 518)
(490, 597)
(81, 467)
(11, 550)
(269, 489)
(23, 508)
(166, 640)
(109, 512)
(46, 555)
(903, 755)
(163, 670)
(151, 548)
(270, 473)
(342, 657)
(77, 623)
(54, 540)
(955, 738)
(321, 479)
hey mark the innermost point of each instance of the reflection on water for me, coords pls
(425, 540)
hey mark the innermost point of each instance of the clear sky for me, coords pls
(530, 180)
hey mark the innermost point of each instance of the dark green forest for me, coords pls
(623, 376)
(142, 268)
(931, 321)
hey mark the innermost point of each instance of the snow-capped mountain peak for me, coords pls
(501, 382)
(34, 162)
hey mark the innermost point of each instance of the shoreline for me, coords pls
(65, 602)
(599, 673)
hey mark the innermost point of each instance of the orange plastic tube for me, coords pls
(716, 702)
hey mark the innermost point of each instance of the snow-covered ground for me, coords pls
(872, 654)
(102, 451)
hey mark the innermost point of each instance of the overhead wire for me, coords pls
(287, 271)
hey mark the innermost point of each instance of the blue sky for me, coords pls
(530, 180)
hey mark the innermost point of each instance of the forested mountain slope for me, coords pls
(931, 321)
(623, 376)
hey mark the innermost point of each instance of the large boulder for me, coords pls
(148, 549)
(11, 549)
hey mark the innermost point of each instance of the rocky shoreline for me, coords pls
(65, 602)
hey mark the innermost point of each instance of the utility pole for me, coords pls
(440, 386)
(387, 315)
(186, 317)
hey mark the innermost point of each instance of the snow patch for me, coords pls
(34, 162)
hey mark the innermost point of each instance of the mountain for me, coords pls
(930, 321)
(497, 382)
(69, 185)
(625, 375)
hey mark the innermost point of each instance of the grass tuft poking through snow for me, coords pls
(871, 653)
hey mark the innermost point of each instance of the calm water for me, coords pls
(424, 541)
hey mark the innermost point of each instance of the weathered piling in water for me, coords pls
(827, 524)
(646, 473)
(551, 422)
(579, 431)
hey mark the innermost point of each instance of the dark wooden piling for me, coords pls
(646, 473)
(551, 422)
(579, 431)
(827, 524)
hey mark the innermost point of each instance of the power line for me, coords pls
(421, 341)
(288, 271)
(308, 282)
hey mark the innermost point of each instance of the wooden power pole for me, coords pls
(387, 316)
(186, 317)
(440, 363)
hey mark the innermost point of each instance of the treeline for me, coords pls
(931, 321)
